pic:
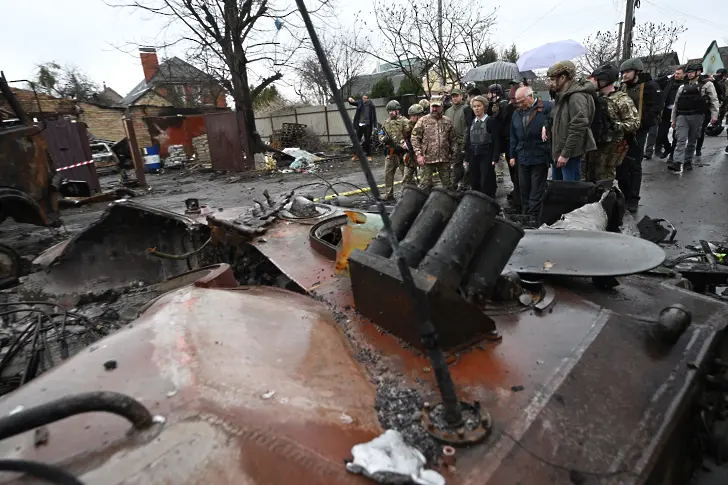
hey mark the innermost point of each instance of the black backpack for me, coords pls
(601, 123)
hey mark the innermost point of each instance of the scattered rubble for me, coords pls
(177, 157)
(400, 408)
(202, 150)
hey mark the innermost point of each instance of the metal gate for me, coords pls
(228, 143)
(68, 145)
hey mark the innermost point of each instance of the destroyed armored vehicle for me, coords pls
(252, 359)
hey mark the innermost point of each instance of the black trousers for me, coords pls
(629, 173)
(663, 132)
(701, 138)
(482, 170)
(533, 185)
(366, 131)
(513, 172)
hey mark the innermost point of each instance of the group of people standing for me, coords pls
(591, 130)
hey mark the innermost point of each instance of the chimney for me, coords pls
(150, 63)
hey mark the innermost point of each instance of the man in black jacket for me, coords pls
(365, 119)
(653, 145)
(645, 94)
(668, 97)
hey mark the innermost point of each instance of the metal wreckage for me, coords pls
(246, 356)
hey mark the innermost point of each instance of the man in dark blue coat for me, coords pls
(529, 149)
(365, 119)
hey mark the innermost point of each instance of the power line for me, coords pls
(667, 10)
(540, 19)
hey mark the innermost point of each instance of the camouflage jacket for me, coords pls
(434, 139)
(623, 115)
(395, 128)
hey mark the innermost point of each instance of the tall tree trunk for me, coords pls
(244, 103)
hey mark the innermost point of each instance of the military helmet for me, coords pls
(562, 67)
(607, 73)
(394, 105)
(634, 64)
(415, 110)
(425, 104)
(496, 89)
(720, 71)
(693, 68)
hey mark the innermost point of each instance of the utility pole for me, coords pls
(628, 26)
(619, 43)
(439, 46)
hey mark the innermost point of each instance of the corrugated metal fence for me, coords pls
(324, 121)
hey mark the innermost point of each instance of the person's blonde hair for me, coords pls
(481, 99)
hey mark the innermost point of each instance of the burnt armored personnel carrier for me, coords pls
(269, 366)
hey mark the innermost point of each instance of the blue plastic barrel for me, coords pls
(153, 150)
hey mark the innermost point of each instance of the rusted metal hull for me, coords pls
(113, 251)
(26, 194)
(239, 408)
(261, 386)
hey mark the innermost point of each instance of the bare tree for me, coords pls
(64, 82)
(653, 41)
(408, 36)
(601, 48)
(346, 59)
(236, 40)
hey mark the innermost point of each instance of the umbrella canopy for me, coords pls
(549, 54)
(496, 71)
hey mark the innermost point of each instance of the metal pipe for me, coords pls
(403, 215)
(427, 329)
(47, 473)
(448, 260)
(428, 226)
(102, 401)
(492, 257)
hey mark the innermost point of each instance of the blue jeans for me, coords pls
(571, 171)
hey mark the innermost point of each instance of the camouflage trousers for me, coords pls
(391, 164)
(602, 163)
(460, 177)
(428, 170)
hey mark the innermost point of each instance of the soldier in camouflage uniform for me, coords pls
(392, 135)
(415, 112)
(602, 164)
(433, 140)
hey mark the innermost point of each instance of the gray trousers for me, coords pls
(687, 129)
(651, 140)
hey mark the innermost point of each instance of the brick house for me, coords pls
(175, 83)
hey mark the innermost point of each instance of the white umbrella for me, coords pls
(549, 54)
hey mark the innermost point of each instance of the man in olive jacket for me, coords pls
(571, 118)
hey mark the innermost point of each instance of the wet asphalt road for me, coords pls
(695, 202)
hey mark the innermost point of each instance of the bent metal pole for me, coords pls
(426, 329)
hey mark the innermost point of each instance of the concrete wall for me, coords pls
(324, 121)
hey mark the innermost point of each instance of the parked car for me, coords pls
(104, 158)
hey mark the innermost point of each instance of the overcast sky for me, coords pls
(84, 33)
